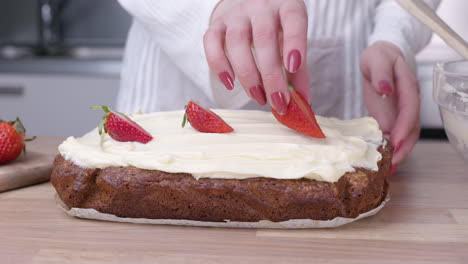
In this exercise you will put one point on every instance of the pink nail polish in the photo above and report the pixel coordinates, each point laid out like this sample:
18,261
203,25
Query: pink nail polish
398,147
385,88
394,167
258,94
278,101
226,79
294,61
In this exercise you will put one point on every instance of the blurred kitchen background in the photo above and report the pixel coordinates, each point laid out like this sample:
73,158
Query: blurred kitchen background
59,57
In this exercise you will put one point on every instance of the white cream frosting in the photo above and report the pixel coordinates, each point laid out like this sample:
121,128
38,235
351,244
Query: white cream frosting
259,147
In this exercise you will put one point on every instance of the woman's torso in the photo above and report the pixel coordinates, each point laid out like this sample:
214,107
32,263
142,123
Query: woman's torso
338,31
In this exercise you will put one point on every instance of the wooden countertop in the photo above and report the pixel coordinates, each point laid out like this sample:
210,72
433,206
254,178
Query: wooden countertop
425,221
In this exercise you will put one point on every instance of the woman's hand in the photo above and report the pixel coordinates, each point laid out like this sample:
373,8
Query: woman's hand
278,31
391,94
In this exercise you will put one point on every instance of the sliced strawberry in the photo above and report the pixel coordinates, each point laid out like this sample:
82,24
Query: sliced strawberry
204,120
121,128
299,116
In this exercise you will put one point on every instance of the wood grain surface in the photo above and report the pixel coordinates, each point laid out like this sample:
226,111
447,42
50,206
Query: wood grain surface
426,221
32,168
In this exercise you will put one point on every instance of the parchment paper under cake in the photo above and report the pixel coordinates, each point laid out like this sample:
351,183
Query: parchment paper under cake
290,224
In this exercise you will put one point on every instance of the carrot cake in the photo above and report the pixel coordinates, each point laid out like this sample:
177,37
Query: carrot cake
260,171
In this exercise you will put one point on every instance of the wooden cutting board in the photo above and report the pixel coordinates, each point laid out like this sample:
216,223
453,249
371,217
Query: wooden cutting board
32,168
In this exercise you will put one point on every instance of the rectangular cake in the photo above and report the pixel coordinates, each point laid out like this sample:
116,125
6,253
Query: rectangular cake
261,171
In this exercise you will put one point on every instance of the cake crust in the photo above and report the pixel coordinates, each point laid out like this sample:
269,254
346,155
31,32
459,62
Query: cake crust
138,193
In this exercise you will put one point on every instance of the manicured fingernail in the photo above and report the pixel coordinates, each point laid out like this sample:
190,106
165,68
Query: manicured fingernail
258,94
226,79
398,146
394,167
294,60
278,101
385,88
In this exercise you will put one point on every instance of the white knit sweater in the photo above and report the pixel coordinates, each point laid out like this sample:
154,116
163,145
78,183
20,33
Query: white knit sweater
165,66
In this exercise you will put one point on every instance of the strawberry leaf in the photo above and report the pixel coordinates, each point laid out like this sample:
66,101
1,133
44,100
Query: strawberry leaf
184,120
103,107
102,125
18,126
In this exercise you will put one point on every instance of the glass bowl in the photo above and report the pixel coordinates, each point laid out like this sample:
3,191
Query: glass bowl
451,94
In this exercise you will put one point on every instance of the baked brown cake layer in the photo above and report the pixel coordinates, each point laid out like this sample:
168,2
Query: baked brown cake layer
139,193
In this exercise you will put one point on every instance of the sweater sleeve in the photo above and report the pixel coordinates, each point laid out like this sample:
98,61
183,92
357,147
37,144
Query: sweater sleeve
396,25
178,28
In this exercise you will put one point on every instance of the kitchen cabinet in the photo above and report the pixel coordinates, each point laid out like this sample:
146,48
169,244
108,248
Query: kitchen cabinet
51,104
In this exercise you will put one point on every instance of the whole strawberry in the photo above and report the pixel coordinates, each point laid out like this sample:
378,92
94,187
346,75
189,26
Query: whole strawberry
204,120
11,140
121,128
299,116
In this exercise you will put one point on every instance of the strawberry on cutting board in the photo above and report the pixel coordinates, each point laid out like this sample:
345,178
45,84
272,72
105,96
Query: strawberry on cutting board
299,116
204,120
121,128
11,140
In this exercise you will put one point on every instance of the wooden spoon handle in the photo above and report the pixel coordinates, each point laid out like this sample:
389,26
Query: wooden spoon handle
427,16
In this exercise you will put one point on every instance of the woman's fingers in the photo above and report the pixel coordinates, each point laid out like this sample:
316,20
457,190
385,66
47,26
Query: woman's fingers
293,18
265,30
408,105
238,40
381,75
406,147
374,106
213,41
235,24
300,81
398,113
382,108
379,72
